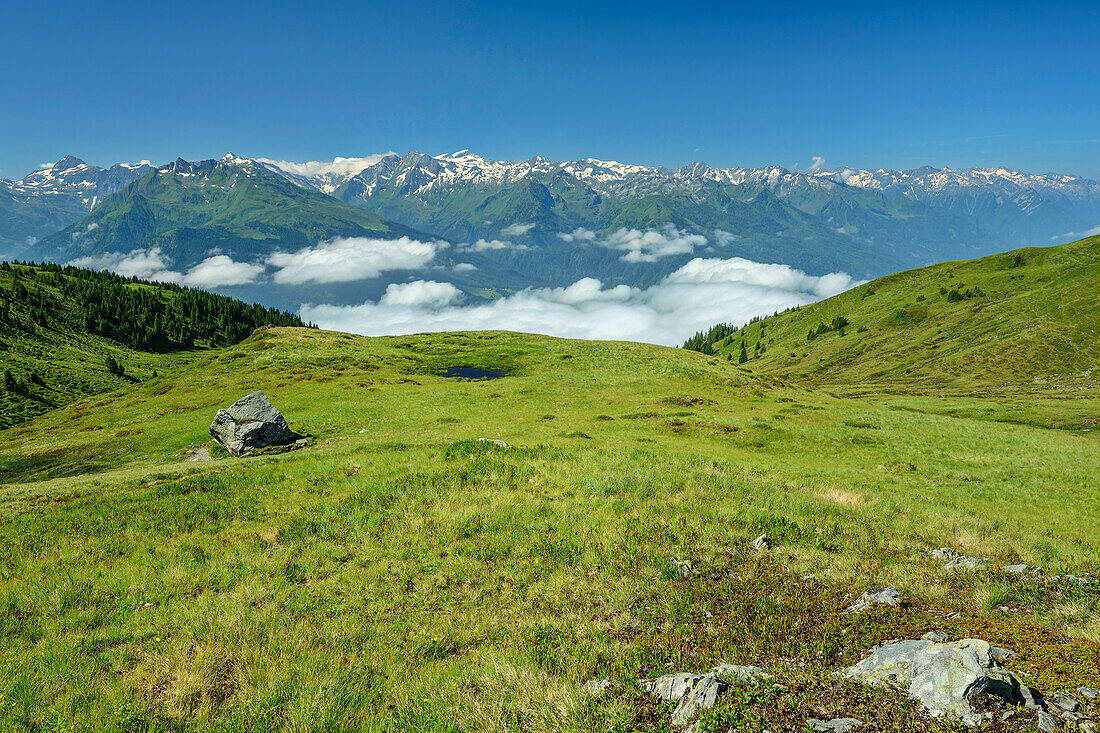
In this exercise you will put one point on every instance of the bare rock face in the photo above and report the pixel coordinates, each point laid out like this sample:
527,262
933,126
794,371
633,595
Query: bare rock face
251,423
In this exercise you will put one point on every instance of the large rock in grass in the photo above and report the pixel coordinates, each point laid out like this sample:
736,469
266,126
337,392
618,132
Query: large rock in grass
251,423
943,676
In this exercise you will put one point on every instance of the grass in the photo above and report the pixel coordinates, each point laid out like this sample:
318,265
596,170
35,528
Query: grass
399,575
1008,327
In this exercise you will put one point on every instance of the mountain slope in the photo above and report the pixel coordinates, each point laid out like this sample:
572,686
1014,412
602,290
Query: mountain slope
1001,319
59,327
50,199
233,206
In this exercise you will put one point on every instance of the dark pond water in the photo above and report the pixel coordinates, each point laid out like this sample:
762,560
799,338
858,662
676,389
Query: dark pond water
471,373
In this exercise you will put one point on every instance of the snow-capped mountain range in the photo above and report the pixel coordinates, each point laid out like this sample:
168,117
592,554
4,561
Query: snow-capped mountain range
420,174
543,219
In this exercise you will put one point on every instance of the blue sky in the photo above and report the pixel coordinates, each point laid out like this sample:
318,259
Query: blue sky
860,84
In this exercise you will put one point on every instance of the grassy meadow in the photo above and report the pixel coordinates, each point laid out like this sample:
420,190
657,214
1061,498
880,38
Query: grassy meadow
399,575
1014,326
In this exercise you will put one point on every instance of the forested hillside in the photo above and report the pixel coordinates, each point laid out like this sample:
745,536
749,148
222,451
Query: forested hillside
66,332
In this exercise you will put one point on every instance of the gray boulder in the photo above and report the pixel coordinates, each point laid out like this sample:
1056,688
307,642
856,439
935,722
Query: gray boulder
944,554
495,441
251,423
698,692
597,687
1023,569
943,676
875,597
763,542
966,562
836,725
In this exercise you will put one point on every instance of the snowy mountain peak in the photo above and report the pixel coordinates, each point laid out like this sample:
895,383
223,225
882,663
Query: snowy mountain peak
67,163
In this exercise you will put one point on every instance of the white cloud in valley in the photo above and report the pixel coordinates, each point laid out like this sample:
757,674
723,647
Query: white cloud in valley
580,234
651,246
150,264
515,230
338,166
698,295
347,259
489,245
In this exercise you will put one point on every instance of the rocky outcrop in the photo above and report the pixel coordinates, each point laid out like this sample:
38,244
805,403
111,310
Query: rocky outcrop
698,692
942,677
251,423
875,597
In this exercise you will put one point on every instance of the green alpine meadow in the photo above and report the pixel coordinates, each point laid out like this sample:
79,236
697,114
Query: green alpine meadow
467,554
550,367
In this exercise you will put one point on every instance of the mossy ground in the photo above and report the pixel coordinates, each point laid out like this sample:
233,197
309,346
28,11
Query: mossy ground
398,575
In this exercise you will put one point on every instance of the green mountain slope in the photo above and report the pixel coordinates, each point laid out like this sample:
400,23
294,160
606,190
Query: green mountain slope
397,575
60,326
233,206
1007,318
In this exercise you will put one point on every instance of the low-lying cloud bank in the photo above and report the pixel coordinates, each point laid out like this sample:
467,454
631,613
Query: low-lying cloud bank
698,295
213,272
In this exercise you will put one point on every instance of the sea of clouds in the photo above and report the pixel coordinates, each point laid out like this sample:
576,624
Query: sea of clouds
701,293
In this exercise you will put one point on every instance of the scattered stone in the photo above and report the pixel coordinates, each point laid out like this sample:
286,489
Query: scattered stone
1065,702
250,423
942,676
597,687
1089,692
684,568
494,441
966,562
836,725
697,692
944,554
953,615
874,597
763,542
938,636
1047,722
1023,569
200,456
301,441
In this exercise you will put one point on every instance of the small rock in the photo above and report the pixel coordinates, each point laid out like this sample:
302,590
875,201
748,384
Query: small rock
1023,569
1047,722
201,455
965,562
301,441
683,567
1001,654
597,687
1089,692
362,431
953,615
873,597
763,542
944,554
494,441
1065,702
836,725
937,636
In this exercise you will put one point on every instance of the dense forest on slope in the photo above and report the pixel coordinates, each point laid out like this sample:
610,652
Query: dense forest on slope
1027,314
66,332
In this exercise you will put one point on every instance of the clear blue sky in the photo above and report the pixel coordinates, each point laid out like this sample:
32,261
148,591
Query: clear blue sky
862,84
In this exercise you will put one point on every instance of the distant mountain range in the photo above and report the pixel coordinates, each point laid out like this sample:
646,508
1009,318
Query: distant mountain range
512,224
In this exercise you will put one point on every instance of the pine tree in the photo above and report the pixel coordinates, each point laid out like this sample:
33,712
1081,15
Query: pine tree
744,354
